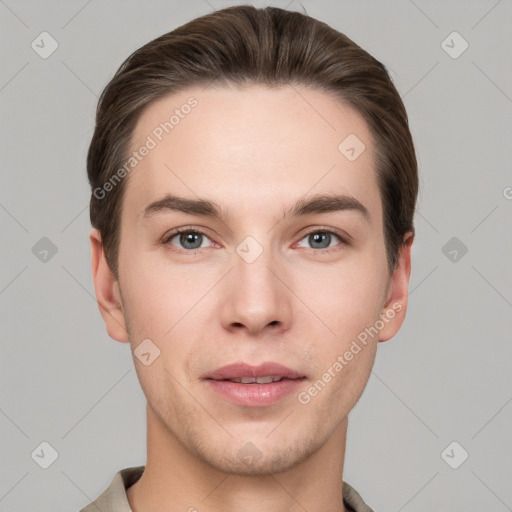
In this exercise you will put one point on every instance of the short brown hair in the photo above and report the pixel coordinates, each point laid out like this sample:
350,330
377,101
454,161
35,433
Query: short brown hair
241,46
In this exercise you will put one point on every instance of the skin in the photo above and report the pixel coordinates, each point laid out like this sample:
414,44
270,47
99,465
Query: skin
254,152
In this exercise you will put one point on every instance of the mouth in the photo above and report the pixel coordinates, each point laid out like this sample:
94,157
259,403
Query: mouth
254,386
256,380
244,373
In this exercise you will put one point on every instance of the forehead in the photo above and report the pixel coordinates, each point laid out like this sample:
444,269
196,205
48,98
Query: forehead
265,145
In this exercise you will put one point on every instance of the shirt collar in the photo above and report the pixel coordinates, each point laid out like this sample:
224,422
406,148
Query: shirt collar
114,498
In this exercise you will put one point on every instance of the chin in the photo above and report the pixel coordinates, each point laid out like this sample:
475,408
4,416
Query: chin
249,460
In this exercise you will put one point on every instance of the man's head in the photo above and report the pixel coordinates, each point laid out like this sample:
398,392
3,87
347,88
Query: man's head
286,151
243,45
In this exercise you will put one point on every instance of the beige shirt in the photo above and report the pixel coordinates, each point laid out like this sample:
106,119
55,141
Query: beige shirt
114,499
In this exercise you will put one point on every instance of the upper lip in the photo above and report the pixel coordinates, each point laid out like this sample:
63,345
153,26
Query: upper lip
240,370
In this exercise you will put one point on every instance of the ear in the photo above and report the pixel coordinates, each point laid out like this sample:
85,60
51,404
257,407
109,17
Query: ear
395,306
108,295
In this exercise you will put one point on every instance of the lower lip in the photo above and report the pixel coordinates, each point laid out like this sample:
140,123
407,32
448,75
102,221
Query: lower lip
255,395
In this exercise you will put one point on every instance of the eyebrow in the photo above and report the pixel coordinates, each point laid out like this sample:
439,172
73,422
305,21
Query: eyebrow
319,203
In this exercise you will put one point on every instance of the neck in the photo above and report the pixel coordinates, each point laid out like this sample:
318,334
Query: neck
175,479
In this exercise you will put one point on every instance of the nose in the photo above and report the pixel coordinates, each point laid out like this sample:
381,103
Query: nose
256,297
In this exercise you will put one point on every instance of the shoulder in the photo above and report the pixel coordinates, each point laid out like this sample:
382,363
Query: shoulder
353,500
113,498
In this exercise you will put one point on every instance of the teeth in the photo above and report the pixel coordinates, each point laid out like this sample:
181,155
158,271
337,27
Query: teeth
256,380
267,380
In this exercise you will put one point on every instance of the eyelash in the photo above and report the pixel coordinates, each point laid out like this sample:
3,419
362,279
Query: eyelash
189,229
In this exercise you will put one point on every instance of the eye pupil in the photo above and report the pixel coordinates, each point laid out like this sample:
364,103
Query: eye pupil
319,237
190,238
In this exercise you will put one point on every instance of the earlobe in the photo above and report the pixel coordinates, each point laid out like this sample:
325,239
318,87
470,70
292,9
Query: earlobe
395,308
107,290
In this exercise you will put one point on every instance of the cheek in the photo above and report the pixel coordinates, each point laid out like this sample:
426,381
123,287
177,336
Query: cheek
345,356
346,302
159,292
346,298
164,303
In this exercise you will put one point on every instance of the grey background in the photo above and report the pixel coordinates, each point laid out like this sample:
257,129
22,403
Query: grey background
445,377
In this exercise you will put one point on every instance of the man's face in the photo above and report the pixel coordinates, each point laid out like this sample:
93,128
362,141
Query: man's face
254,285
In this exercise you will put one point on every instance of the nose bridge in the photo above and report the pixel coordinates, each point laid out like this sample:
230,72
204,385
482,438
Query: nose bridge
254,263
257,297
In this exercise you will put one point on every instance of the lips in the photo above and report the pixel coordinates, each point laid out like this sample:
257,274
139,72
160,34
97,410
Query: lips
254,386
247,374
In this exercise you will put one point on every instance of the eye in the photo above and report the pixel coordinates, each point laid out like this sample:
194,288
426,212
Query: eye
322,238
187,239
